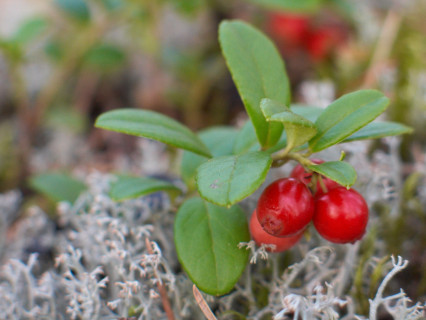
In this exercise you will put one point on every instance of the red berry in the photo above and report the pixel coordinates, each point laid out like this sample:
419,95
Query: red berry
289,28
323,41
341,215
262,237
285,207
305,176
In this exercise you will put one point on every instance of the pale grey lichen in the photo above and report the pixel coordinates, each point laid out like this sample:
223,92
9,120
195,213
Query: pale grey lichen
94,263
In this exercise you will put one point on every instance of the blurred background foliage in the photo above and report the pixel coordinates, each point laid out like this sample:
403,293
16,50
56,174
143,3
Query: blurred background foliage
64,62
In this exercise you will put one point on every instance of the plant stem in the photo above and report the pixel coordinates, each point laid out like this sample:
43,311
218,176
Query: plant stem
203,304
161,289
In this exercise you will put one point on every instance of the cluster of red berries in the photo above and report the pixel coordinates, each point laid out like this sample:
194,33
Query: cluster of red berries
298,32
288,205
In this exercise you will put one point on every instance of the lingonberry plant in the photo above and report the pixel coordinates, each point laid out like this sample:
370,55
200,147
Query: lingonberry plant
225,165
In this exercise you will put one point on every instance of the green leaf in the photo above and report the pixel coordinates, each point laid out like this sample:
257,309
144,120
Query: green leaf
375,130
29,30
309,112
152,125
298,129
281,144
189,6
112,5
207,238
246,139
220,142
229,179
105,56
66,118
54,50
77,9
57,186
341,172
290,5
258,72
132,187
347,115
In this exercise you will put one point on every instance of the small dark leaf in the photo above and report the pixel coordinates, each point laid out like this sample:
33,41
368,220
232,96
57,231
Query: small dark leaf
77,9
132,187
29,30
105,56
57,186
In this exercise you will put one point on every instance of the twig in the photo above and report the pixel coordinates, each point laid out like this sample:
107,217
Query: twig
161,289
203,304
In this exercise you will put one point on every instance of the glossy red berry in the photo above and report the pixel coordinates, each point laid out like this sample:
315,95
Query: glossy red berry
341,215
292,29
262,237
305,176
285,207
322,41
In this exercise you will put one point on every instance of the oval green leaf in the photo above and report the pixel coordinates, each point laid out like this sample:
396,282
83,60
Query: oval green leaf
298,129
29,30
104,57
347,115
376,130
220,142
309,112
229,179
207,238
281,144
57,186
341,172
258,72
152,125
127,187
77,9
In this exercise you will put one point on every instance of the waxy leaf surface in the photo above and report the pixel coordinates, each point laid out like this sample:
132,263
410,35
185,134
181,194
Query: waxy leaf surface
229,179
298,129
347,115
258,72
220,142
152,125
375,130
309,112
246,139
341,172
207,238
